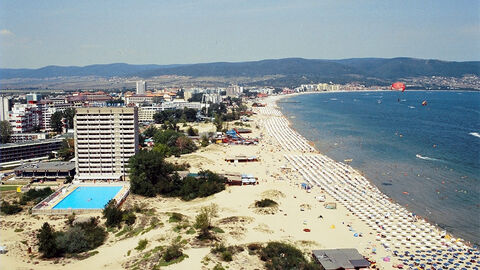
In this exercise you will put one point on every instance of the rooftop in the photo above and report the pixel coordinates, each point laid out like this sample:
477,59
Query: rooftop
347,258
29,143
47,166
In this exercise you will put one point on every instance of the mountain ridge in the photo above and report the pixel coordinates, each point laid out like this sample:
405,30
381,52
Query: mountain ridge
344,70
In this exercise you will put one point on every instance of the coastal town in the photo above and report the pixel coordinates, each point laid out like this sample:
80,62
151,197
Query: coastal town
194,178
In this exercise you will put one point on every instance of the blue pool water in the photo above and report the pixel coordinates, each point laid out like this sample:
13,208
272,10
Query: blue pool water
88,198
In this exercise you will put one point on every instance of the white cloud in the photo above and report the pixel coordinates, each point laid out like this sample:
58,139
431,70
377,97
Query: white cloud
6,32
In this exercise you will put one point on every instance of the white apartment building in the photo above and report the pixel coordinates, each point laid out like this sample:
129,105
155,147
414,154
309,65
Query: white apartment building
141,87
145,114
105,138
24,117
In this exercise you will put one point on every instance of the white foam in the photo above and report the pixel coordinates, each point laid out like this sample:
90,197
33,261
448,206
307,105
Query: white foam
476,134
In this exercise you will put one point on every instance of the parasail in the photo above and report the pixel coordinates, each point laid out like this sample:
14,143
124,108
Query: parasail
398,86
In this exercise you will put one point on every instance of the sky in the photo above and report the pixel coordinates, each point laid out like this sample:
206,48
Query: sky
34,34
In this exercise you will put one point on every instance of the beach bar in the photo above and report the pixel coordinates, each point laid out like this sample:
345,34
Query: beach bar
333,259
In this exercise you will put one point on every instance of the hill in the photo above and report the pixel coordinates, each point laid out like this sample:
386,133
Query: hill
292,70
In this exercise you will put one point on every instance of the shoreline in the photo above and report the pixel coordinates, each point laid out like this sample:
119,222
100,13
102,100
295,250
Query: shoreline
288,96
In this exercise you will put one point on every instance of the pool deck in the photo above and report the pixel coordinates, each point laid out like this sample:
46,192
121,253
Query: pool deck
46,206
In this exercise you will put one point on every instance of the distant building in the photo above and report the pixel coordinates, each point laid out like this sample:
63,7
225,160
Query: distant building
141,87
4,107
12,154
105,138
33,98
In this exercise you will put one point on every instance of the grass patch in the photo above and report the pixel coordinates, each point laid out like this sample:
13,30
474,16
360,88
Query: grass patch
8,188
174,261
175,217
142,244
217,230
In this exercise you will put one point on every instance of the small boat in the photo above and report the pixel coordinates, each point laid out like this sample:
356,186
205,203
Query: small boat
348,160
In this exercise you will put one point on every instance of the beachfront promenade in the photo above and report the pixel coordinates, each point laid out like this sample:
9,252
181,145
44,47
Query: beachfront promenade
410,241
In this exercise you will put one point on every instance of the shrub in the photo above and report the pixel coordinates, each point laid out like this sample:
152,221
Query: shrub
113,215
192,132
266,203
218,267
284,256
205,141
175,217
129,217
142,244
227,256
36,195
203,221
172,252
81,237
10,209
46,242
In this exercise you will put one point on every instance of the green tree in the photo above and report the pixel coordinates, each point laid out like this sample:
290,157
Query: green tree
150,131
67,151
46,241
5,131
151,174
69,114
56,122
218,122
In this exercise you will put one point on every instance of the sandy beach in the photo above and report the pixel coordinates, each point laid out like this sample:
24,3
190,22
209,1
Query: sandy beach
364,218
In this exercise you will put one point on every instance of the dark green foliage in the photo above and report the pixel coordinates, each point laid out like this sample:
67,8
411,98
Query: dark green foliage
279,256
113,214
151,174
56,122
79,238
170,142
192,132
69,114
172,252
129,217
67,151
203,221
205,141
6,131
204,185
150,131
10,209
175,217
266,203
36,195
142,244
46,242
175,116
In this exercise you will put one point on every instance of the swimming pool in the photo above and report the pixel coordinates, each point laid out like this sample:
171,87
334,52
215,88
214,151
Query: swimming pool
89,197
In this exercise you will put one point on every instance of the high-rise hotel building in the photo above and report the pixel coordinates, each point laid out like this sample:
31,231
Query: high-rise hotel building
105,138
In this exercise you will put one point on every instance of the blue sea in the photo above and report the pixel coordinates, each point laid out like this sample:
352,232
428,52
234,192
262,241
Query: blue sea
424,157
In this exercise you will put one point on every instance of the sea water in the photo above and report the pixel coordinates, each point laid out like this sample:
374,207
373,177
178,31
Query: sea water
424,157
